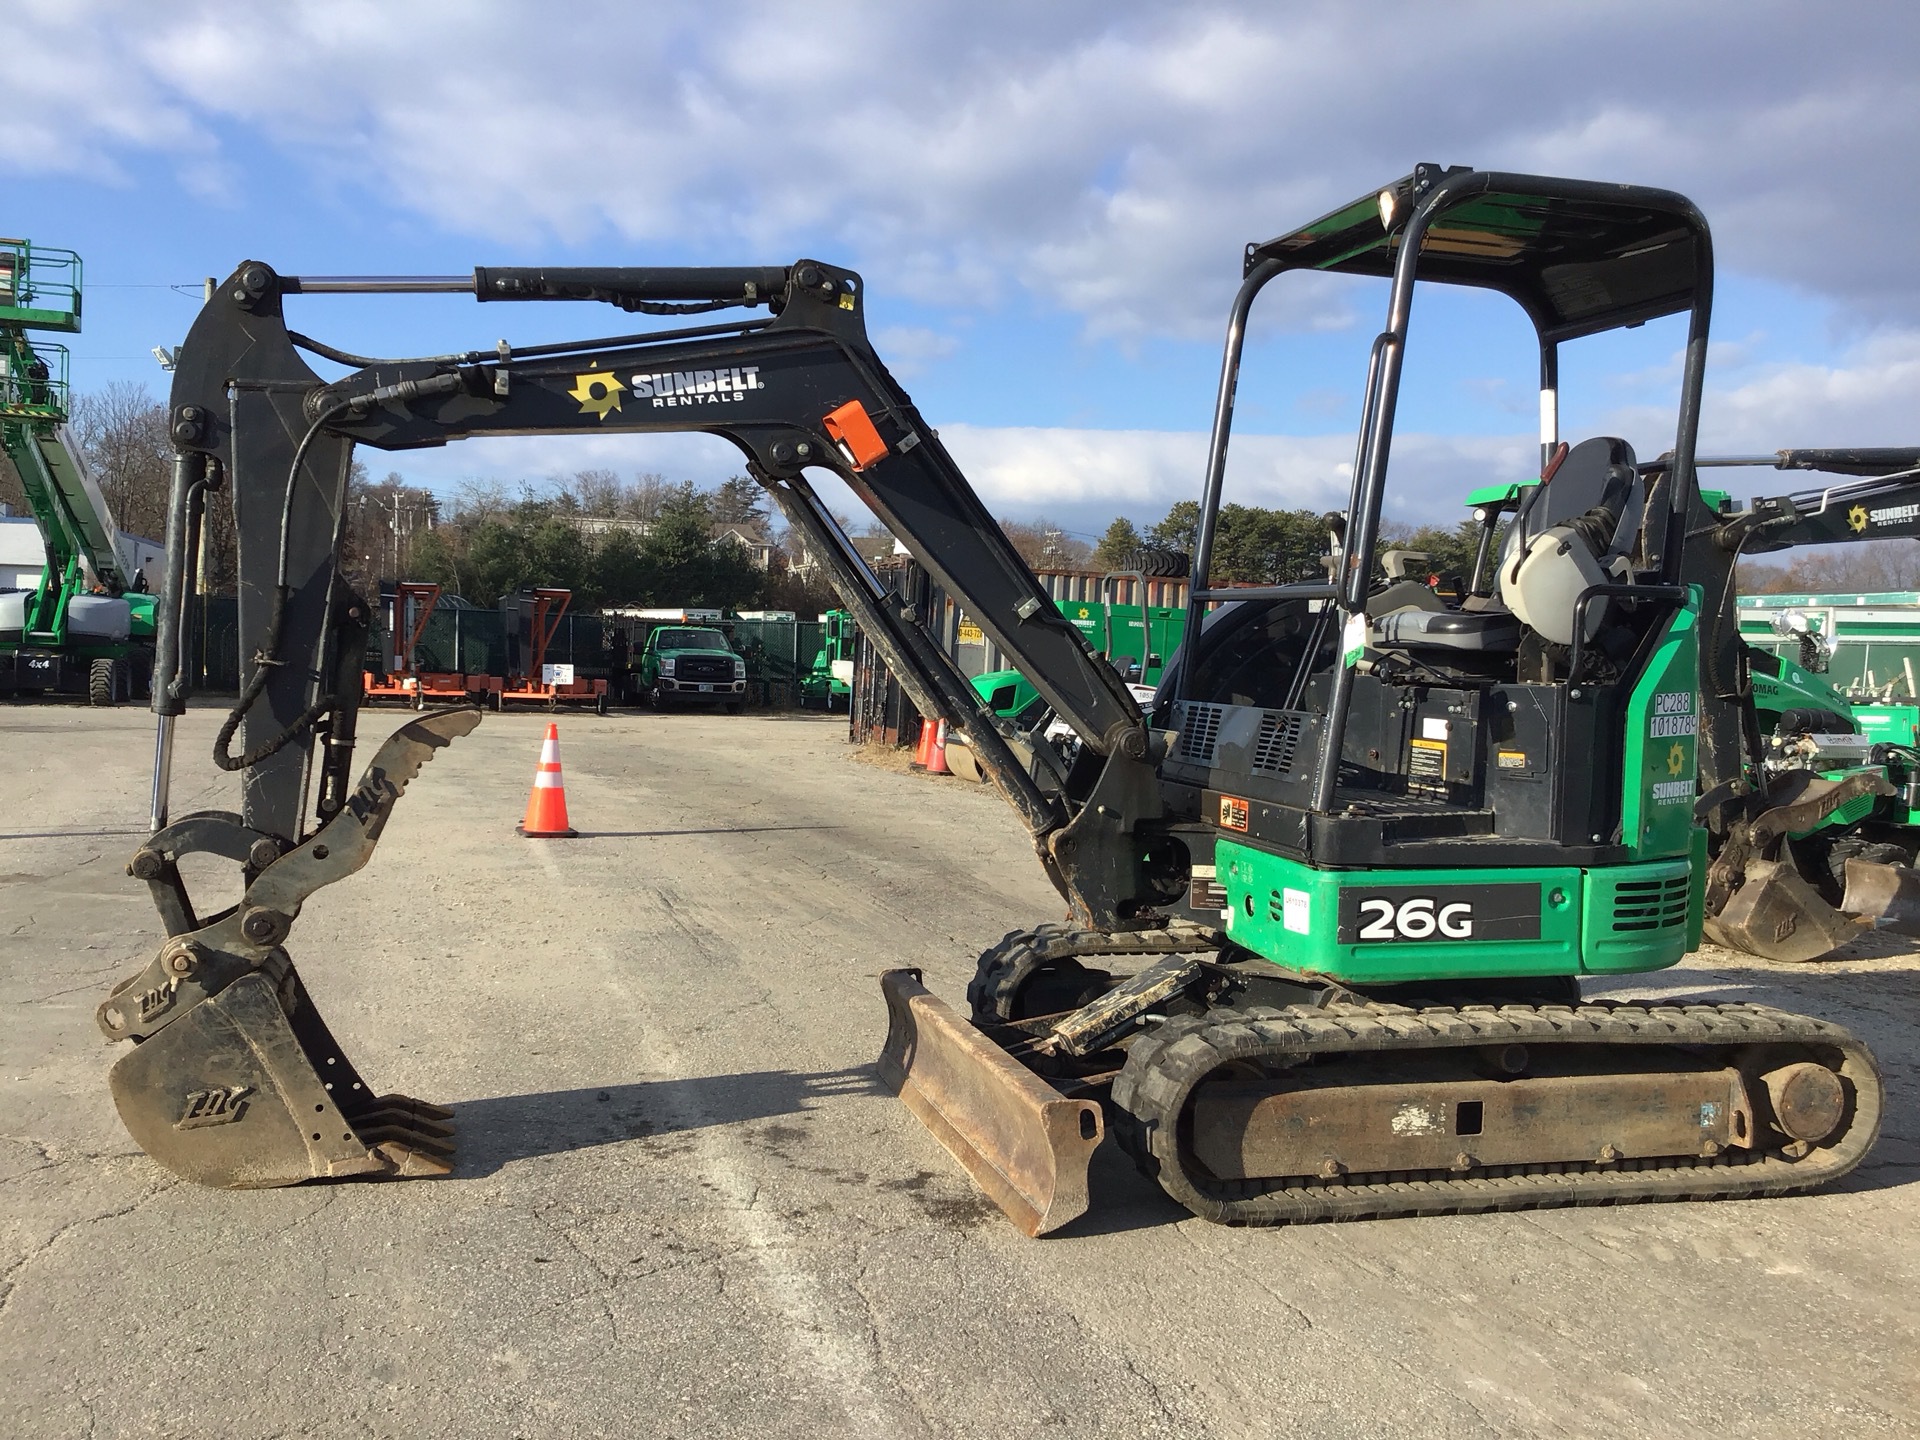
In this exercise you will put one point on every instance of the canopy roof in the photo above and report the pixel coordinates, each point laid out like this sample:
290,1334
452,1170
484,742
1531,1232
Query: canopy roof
1579,256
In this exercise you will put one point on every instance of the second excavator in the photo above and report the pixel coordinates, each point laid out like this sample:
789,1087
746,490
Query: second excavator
1333,900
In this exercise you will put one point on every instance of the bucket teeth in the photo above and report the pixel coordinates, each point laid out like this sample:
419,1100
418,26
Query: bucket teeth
409,1135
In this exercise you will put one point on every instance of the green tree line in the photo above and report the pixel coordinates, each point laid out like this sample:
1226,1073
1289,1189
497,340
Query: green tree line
1255,545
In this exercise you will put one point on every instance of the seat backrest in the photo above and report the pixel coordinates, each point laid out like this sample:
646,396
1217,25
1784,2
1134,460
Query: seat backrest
1599,471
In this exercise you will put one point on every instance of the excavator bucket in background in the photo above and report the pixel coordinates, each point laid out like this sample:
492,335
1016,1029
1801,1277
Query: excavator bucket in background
1763,905
1778,916
1025,1144
1886,895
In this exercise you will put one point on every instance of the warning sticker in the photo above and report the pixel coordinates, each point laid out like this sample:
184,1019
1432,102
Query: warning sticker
1233,813
1513,759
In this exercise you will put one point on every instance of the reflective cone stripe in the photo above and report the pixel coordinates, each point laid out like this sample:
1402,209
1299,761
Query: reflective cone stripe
547,804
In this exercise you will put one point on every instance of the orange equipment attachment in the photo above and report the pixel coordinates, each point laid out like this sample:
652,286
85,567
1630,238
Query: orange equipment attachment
533,688
408,685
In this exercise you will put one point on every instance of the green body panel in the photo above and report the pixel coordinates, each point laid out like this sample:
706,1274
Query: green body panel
1794,688
1642,915
1627,918
1010,695
1114,631
1662,726
1889,724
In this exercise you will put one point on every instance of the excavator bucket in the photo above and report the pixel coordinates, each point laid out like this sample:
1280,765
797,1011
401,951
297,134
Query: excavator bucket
234,1080
232,1095
1024,1143
1777,915
1887,895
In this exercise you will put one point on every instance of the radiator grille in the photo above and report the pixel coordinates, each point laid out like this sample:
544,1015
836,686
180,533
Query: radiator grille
1279,741
1199,729
1640,905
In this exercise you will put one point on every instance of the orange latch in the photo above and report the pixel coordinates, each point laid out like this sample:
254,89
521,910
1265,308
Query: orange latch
852,430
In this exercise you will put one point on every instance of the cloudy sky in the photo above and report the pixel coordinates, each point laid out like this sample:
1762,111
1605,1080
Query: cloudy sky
1048,203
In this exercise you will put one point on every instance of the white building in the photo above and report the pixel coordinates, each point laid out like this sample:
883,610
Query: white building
23,556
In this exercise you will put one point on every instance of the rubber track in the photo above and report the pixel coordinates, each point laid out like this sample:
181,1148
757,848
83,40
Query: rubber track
1006,966
1164,1066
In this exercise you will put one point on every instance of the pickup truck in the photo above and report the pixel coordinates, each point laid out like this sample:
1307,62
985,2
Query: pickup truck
692,664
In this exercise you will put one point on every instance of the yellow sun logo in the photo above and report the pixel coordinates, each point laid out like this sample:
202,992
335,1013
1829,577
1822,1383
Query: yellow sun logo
1857,519
597,393
1676,758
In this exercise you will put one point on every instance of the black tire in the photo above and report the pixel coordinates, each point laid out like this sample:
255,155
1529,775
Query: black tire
106,682
1156,562
496,701
734,707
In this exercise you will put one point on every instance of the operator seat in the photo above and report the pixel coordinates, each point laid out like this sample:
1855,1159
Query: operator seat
1595,473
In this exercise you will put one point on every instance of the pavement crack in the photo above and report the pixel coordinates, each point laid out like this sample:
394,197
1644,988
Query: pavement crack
9,1278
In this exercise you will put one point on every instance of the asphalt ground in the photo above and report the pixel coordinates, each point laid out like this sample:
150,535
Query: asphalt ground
683,1206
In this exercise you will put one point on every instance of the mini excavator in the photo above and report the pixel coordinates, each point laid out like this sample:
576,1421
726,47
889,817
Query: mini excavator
1332,900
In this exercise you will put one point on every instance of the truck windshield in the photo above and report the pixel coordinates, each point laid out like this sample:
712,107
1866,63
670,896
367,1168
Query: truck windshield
690,640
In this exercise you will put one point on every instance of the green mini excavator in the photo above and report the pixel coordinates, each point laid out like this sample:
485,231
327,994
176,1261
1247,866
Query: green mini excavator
1334,895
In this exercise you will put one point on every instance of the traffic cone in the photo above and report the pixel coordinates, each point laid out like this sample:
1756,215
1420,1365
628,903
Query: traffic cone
937,752
923,749
547,805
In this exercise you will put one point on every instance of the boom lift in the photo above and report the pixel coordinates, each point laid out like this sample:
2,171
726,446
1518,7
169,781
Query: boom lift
87,629
1360,855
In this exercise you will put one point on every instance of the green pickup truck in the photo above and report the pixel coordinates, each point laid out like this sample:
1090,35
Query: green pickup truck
693,664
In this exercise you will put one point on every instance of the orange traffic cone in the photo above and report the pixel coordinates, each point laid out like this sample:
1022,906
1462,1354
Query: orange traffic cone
923,748
937,752
547,805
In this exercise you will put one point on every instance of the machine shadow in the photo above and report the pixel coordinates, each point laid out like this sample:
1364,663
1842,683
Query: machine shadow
668,834
495,1132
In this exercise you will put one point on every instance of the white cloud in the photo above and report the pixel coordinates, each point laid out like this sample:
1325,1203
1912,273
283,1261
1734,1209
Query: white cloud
909,349
1107,158
1757,406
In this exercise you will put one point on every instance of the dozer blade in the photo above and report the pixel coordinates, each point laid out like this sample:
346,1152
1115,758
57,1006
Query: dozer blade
1026,1145
1887,895
1778,916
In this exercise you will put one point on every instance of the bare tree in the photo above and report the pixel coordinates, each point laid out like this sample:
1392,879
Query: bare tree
122,432
600,493
1044,546
646,496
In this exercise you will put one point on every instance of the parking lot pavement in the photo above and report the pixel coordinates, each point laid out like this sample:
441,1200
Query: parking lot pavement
684,1208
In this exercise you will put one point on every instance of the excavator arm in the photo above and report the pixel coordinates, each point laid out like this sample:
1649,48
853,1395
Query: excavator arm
220,1013
799,390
